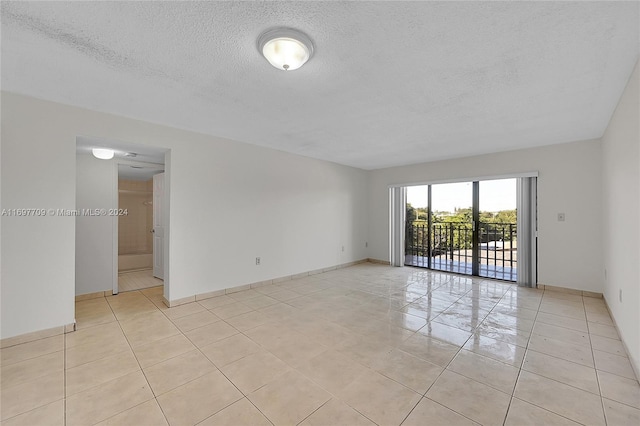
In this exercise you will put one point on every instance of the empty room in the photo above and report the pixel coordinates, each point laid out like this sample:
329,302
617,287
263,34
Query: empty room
320,213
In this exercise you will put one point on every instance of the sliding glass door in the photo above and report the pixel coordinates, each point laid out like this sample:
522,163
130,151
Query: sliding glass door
467,227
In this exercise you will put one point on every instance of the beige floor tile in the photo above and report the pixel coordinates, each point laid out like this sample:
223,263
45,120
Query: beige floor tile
184,310
496,349
620,414
603,330
388,334
295,352
157,351
240,413
211,333
406,321
284,295
503,320
429,412
249,320
231,310
260,302
504,334
325,332
147,328
25,371
273,335
614,364
30,350
35,393
102,334
83,354
254,371
619,389
380,399
564,309
147,413
522,413
613,346
177,371
446,333
242,296
485,370
104,401
336,413
280,311
408,370
289,399
432,350
560,349
130,304
332,370
523,313
561,333
472,399
567,372
566,322
193,321
364,350
199,399
215,302
47,415
465,319
101,371
564,400
231,349
600,318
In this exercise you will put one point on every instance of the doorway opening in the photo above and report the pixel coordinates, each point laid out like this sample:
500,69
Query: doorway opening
464,227
140,225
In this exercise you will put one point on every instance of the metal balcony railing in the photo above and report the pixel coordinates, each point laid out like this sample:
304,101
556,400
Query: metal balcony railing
448,246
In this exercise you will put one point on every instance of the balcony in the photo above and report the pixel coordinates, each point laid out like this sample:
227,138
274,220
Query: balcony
448,246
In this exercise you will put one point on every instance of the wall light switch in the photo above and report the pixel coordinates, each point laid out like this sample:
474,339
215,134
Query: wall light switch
560,217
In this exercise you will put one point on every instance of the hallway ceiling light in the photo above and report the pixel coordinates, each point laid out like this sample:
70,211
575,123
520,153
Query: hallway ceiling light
103,153
285,48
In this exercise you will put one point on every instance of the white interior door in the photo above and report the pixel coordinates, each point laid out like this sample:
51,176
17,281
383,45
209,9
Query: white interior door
158,225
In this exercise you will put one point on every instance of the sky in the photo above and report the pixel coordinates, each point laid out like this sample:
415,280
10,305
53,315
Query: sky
495,195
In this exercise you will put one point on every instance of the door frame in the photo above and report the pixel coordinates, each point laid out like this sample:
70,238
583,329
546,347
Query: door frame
114,226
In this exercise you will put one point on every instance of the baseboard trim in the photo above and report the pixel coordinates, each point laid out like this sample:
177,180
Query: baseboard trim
567,290
278,280
37,335
378,261
96,295
635,365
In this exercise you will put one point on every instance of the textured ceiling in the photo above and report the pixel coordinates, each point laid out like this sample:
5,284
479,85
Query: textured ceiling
390,83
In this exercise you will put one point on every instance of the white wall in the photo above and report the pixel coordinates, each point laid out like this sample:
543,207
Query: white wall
94,234
230,202
570,252
621,189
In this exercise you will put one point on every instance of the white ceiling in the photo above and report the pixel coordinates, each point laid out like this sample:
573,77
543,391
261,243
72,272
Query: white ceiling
390,83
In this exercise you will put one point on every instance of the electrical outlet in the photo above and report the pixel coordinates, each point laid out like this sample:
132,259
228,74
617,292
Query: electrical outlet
257,261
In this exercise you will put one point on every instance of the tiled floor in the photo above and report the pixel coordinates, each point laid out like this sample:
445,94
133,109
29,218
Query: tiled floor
137,280
364,345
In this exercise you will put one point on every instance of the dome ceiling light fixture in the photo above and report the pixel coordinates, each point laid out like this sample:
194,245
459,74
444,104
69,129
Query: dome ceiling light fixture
285,48
103,153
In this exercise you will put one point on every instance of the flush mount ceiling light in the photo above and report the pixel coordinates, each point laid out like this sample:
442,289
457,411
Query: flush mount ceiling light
285,48
103,153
